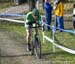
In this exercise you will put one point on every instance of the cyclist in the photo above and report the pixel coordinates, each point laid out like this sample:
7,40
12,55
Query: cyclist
31,17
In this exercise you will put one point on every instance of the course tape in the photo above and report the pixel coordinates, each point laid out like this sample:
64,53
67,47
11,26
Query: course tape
7,19
52,27
59,46
64,30
7,14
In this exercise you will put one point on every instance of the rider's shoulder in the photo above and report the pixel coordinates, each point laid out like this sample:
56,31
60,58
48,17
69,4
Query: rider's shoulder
28,14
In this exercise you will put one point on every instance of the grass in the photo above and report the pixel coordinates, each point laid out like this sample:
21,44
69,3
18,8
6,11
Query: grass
15,27
62,38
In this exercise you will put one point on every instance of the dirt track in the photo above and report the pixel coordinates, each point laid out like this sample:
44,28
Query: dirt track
13,50
15,9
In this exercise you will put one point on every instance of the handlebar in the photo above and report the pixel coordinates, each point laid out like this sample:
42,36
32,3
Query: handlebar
36,25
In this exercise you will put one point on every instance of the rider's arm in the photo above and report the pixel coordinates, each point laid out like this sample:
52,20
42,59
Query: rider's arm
40,20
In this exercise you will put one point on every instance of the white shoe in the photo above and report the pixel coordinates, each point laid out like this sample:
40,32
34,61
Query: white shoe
28,47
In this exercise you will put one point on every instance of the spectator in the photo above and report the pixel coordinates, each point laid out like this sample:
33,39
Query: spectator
74,17
37,4
43,3
59,11
48,13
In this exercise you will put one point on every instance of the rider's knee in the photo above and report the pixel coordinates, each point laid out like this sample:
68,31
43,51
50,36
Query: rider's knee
29,34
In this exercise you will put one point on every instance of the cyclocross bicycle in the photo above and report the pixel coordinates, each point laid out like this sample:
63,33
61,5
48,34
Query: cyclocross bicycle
36,43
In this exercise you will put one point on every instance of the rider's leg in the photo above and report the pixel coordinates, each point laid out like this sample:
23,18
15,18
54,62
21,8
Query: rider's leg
28,36
29,32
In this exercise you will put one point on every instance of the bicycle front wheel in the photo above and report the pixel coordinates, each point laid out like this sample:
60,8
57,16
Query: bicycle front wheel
37,48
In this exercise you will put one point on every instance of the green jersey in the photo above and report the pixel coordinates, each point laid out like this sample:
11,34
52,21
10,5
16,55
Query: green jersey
29,18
